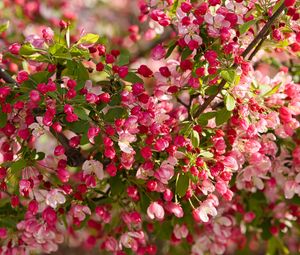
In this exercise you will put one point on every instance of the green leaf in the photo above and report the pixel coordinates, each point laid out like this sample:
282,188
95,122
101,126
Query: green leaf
204,117
272,246
123,59
229,102
3,118
171,49
144,201
133,78
40,77
228,75
174,7
18,165
81,113
245,27
28,50
277,5
115,100
4,26
163,230
114,113
266,226
39,156
76,70
59,51
117,187
186,52
76,52
222,116
272,91
206,154
182,184
211,90
186,128
195,138
88,39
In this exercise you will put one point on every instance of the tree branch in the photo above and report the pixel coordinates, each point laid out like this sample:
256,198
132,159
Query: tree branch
74,156
143,51
6,77
261,35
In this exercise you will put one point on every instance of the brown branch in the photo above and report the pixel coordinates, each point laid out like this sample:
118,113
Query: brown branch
181,102
144,50
6,77
262,34
258,46
74,156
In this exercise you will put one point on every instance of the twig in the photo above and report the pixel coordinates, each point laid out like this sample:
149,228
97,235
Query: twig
181,102
262,34
6,77
74,156
142,52
258,46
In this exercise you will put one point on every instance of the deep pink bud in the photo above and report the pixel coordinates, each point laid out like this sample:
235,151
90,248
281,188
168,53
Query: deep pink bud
145,71
22,76
49,216
104,97
14,48
186,7
59,150
289,3
111,169
14,201
34,96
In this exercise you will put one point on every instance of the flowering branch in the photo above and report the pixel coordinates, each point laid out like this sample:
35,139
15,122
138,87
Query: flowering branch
74,156
261,35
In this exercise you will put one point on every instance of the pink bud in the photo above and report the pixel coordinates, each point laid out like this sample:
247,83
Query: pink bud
14,201
33,207
249,217
59,150
3,233
14,48
186,7
111,169
145,71
49,215
123,71
34,96
22,76
158,52
48,34
168,195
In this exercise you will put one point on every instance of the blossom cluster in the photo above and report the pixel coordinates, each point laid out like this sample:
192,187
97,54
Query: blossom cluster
195,146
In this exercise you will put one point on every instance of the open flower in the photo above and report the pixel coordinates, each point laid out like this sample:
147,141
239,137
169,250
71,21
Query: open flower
155,210
55,197
93,166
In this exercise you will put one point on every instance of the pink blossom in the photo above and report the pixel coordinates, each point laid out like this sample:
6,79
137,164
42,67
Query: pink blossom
48,34
164,173
174,208
180,231
155,210
93,166
80,211
158,52
55,197
206,208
